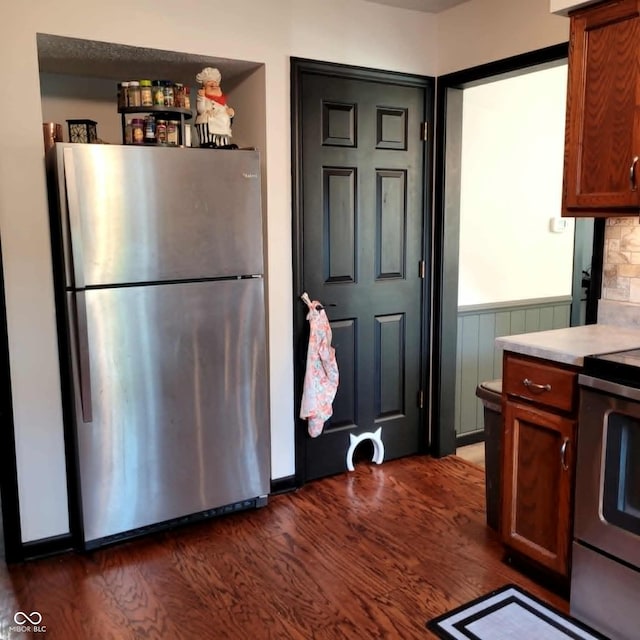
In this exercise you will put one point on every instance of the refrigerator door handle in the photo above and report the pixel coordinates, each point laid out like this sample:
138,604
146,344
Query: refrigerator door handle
75,225
82,345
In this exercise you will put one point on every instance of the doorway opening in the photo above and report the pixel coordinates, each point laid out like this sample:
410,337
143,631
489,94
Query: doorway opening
508,260
516,257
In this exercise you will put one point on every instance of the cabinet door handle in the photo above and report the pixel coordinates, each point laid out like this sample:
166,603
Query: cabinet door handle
632,173
563,454
538,388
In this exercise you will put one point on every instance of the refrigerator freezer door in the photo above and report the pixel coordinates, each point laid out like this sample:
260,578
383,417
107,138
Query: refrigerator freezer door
144,214
178,379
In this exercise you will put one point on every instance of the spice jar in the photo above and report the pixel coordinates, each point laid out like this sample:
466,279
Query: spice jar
146,95
122,98
149,129
134,93
158,93
168,94
178,95
137,130
172,132
128,133
161,131
187,98
124,88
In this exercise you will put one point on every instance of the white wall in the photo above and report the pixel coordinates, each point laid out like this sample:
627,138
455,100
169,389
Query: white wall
511,185
347,31
69,97
481,31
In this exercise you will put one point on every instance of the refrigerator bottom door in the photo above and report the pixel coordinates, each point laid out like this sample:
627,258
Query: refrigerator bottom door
179,399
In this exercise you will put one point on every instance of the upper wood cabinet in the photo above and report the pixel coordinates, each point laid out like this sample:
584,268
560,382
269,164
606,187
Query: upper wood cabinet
602,144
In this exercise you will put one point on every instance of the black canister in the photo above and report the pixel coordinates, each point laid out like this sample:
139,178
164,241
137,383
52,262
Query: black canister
149,129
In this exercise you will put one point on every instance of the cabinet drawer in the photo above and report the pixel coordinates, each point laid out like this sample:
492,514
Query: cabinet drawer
545,384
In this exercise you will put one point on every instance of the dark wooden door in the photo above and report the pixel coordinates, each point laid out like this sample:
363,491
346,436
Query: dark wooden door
362,245
603,101
538,476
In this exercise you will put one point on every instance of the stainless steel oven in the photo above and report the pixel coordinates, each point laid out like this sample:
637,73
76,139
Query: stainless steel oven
605,575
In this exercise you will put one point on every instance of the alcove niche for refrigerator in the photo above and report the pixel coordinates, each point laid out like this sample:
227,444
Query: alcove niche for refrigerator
78,80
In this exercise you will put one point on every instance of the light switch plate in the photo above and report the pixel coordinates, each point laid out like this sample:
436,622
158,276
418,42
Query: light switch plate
558,225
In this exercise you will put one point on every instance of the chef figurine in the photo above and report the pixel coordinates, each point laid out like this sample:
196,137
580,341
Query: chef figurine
213,120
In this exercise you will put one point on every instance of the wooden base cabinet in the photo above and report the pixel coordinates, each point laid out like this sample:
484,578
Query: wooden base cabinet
537,503
539,461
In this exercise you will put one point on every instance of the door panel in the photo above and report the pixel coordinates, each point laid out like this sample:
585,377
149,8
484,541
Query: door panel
537,498
339,225
362,213
345,403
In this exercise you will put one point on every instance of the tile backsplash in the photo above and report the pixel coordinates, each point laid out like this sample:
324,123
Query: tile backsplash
621,265
620,299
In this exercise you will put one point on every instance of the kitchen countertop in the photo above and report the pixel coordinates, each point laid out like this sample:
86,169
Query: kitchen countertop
570,345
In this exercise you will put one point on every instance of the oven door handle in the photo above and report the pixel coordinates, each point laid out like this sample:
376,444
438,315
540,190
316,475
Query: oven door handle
563,454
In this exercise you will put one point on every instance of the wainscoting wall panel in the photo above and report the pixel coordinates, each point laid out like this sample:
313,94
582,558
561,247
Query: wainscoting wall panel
477,358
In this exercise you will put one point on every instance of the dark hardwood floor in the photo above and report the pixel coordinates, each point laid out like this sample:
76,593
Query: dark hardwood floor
370,554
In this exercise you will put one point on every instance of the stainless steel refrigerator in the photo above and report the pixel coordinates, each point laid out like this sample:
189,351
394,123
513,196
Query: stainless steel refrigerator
158,259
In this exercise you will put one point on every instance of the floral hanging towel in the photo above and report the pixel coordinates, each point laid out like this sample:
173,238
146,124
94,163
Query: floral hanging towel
321,377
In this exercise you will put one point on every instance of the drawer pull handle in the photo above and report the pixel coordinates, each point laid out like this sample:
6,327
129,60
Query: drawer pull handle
563,454
538,388
632,173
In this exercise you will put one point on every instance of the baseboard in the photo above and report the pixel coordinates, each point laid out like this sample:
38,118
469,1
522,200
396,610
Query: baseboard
47,547
470,438
284,485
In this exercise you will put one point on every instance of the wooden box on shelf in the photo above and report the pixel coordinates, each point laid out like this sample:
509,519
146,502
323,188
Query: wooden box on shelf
82,131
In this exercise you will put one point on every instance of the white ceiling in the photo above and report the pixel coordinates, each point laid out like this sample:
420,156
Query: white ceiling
428,6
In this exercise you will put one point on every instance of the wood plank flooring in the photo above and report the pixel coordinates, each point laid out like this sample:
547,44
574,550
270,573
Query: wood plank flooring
370,554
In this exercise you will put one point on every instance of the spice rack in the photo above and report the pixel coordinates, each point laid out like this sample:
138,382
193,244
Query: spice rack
169,113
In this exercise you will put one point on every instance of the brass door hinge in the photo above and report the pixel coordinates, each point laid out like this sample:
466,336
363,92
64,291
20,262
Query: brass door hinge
422,269
420,399
424,131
